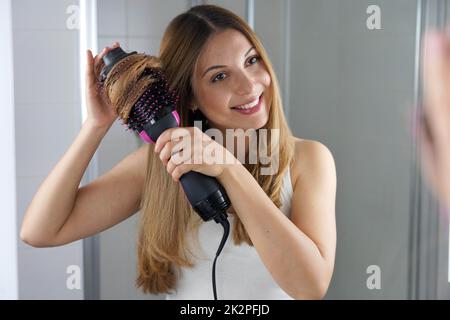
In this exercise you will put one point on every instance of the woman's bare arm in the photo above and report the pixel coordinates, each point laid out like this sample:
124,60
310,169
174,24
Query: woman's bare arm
108,200
61,212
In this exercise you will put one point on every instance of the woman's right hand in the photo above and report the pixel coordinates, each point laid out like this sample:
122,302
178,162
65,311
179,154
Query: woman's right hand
100,113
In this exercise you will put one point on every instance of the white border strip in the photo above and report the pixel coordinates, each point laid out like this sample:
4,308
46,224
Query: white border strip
8,227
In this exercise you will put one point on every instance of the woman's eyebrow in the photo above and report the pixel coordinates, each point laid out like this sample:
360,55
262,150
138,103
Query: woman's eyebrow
222,66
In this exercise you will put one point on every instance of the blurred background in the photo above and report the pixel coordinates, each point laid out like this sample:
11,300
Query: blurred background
349,71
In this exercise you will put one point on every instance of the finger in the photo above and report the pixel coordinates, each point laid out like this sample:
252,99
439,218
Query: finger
108,49
180,144
212,153
102,53
166,152
170,134
171,164
182,156
90,76
98,61
180,170
105,51
170,167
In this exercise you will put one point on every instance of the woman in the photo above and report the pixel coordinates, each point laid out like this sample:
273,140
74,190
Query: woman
283,224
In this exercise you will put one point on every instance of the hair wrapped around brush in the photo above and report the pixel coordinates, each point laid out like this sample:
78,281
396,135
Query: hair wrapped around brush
138,81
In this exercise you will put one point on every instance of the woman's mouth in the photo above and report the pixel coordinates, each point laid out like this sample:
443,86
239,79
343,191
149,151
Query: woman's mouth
251,108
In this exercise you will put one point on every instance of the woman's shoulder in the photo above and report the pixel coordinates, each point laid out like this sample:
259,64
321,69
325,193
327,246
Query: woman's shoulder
309,154
306,145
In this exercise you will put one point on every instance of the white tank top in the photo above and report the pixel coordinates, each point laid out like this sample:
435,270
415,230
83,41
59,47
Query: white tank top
240,272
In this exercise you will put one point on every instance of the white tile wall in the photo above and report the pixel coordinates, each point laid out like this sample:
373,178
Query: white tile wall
110,153
117,135
149,45
46,66
42,14
43,272
149,18
104,41
45,131
111,17
47,119
237,6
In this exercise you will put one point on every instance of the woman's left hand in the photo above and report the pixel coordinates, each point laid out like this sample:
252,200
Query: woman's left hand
184,149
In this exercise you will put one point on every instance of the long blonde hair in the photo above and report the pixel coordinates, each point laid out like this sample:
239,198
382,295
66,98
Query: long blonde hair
166,215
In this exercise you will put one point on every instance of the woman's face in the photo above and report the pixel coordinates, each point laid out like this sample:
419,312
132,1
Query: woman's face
229,73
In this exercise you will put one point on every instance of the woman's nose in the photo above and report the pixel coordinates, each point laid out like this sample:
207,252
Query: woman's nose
245,85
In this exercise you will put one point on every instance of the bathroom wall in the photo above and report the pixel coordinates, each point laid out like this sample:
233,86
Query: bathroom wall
47,120
237,6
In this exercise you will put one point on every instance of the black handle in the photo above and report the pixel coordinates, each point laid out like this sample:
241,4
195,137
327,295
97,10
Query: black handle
206,195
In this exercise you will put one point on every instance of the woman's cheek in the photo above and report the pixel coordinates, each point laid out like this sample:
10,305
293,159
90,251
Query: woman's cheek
266,78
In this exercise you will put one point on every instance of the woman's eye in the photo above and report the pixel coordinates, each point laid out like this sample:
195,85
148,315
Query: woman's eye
218,77
254,58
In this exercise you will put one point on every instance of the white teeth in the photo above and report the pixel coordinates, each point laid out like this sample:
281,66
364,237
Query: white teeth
248,105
